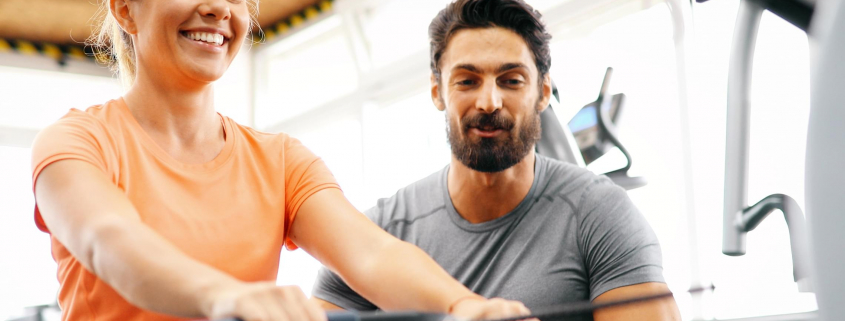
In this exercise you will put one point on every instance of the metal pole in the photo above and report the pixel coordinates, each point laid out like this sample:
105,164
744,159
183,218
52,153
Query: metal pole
736,146
825,165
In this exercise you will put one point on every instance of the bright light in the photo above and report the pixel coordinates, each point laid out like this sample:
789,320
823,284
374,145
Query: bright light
29,273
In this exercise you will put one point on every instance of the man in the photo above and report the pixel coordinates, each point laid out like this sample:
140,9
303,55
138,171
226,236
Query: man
500,219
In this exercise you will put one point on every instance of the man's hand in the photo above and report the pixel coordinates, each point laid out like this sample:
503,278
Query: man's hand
484,309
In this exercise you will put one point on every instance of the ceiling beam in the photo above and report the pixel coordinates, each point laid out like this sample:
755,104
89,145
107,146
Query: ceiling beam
70,22
41,62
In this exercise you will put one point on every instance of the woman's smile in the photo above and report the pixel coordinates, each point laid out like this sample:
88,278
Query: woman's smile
208,39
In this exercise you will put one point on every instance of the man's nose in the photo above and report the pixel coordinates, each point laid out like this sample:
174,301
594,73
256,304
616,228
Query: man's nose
489,99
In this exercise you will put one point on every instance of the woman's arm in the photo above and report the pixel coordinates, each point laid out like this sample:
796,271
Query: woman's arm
392,274
100,227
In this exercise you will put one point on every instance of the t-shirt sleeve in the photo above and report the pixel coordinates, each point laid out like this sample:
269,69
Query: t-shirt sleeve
76,136
305,175
619,246
331,288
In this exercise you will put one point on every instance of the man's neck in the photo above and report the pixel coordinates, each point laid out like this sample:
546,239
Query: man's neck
480,197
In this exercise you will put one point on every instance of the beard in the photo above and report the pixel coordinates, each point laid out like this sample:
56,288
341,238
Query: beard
491,155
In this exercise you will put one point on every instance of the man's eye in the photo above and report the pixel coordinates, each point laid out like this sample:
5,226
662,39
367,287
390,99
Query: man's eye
513,82
466,82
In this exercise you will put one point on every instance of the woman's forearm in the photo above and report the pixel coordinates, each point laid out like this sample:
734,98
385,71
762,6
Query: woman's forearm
390,273
151,273
413,279
98,225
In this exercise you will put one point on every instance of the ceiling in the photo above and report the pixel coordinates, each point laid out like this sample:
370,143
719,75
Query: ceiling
66,22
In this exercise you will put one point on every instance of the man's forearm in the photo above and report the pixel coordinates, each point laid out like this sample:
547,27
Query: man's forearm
414,280
151,273
325,305
659,310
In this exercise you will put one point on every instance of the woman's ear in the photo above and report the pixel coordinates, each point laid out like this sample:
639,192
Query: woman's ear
119,9
435,94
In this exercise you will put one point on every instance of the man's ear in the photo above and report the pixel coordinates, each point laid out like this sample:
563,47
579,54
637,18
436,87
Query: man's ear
119,9
435,94
547,93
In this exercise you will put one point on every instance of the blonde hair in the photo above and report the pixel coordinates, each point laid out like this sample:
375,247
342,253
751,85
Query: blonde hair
114,47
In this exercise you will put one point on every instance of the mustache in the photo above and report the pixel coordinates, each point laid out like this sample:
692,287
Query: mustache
488,122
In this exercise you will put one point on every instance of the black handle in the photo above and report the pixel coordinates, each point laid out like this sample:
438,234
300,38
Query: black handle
374,316
332,316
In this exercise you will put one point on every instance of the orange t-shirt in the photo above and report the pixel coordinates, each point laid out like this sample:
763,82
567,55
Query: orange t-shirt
232,213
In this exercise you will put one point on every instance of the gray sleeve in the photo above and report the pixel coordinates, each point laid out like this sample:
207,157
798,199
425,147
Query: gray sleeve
618,244
331,288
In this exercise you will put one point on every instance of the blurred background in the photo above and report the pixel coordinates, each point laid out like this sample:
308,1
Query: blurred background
350,78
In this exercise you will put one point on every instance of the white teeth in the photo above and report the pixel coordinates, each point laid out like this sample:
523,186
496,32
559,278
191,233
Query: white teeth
206,37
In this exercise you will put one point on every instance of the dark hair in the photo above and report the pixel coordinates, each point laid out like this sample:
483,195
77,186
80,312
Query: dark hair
514,15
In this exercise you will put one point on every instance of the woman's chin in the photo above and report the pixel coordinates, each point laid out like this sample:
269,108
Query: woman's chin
206,75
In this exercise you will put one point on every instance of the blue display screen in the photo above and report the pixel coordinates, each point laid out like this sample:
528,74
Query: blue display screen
585,118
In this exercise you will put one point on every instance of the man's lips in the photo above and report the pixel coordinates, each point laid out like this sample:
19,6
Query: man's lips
486,132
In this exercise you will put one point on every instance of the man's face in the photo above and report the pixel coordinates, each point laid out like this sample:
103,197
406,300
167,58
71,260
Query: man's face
492,95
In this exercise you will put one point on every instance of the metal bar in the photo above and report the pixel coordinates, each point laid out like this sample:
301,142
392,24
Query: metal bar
755,214
683,27
824,171
736,145
558,312
796,12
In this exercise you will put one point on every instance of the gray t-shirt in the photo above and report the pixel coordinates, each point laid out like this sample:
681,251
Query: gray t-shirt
575,236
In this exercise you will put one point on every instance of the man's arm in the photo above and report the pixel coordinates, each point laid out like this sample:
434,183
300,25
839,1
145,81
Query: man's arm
326,305
329,287
659,310
622,255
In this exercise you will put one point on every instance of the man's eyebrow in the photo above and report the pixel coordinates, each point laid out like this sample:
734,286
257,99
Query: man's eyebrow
503,68
510,66
467,67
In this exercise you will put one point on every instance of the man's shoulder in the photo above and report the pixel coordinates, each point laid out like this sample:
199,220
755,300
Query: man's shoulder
417,200
574,184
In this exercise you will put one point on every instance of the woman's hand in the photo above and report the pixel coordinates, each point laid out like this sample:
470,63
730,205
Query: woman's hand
485,309
264,301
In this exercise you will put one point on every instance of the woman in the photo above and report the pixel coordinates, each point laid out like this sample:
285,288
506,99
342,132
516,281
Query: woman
160,208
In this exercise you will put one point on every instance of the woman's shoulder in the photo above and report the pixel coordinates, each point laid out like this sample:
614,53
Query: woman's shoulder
272,145
258,137
91,120
79,134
